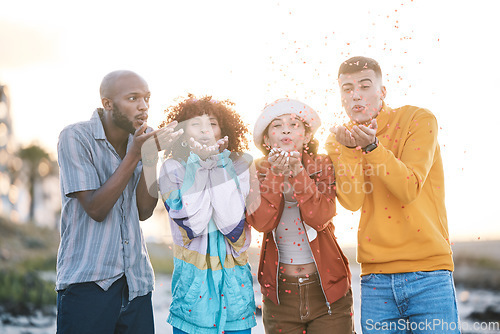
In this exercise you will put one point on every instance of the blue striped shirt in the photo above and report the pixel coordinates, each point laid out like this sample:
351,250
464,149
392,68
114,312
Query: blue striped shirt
92,251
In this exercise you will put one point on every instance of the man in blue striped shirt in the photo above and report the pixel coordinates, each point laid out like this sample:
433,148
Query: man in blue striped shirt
104,275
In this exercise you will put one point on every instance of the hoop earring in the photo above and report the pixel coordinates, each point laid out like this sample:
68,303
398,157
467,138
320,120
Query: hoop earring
184,143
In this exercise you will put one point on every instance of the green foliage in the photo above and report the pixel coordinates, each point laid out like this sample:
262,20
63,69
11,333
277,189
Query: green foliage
33,243
41,263
25,251
33,154
27,247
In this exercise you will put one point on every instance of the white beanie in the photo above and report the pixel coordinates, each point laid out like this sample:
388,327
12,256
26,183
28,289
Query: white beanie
283,107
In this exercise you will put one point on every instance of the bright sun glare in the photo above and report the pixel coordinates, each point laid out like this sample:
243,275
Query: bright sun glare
54,56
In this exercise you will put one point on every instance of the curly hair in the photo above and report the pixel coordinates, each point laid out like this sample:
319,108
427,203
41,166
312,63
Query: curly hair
230,122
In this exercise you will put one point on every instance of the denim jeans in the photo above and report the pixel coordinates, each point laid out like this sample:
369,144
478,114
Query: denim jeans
415,302
86,308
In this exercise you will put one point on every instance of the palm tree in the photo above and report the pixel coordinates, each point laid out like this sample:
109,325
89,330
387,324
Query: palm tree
33,155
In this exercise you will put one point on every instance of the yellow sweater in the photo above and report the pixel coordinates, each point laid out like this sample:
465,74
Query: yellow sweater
399,187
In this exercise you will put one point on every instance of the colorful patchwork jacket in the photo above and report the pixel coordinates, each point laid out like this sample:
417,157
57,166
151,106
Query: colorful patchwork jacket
212,287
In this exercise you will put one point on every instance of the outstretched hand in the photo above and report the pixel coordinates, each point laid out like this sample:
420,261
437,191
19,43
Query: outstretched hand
343,136
279,161
283,162
360,135
157,140
166,137
365,135
204,151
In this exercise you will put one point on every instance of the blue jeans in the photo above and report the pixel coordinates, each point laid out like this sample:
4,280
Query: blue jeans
86,308
416,302
245,331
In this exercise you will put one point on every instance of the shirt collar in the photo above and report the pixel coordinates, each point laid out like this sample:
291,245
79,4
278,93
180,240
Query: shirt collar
98,128
96,124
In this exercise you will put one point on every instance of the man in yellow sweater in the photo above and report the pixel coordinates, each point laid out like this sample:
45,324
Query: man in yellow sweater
388,164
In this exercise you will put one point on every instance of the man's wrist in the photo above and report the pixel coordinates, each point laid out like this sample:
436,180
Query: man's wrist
370,147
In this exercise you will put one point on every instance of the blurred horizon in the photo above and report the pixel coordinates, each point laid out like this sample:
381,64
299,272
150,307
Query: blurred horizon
54,55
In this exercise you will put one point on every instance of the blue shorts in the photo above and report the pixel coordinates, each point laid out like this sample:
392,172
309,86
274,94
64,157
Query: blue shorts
86,308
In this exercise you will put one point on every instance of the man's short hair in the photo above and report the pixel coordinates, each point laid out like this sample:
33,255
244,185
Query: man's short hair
358,64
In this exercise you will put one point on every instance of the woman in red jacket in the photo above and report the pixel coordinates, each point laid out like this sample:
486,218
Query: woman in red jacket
304,276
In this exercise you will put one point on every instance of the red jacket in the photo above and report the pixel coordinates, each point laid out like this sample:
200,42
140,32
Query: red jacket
314,189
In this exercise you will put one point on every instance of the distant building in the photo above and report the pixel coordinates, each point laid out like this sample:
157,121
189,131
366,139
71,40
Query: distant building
14,195
9,193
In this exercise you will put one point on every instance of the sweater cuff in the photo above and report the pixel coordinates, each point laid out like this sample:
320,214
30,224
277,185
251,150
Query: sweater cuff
377,156
351,154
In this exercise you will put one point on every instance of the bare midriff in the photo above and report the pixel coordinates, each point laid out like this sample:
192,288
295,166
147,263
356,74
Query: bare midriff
297,269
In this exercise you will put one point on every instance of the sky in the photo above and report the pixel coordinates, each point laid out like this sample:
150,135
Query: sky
434,54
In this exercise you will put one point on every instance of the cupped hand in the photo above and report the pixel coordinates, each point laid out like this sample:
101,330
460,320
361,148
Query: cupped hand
203,151
343,136
365,135
295,163
279,161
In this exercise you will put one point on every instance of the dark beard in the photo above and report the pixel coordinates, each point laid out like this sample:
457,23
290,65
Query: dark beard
122,121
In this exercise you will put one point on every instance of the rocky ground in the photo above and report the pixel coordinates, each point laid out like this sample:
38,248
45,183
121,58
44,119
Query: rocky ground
477,307
26,247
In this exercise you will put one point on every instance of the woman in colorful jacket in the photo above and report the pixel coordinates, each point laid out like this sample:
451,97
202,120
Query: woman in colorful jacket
304,276
204,186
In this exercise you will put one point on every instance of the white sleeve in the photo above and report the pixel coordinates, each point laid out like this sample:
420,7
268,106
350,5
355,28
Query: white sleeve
184,193
229,187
